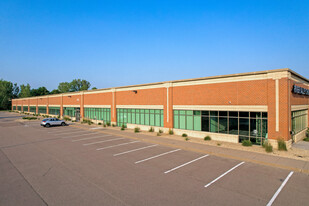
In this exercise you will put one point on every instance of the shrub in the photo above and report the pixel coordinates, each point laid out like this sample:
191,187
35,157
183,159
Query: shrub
158,134
160,131
307,133
113,125
219,144
306,139
104,125
170,131
268,147
108,124
66,118
30,118
207,138
151,129
246,143
99,123
136,129
184,135
187,138
281,145
122,127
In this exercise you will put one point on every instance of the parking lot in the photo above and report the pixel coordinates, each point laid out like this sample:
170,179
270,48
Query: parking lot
74,166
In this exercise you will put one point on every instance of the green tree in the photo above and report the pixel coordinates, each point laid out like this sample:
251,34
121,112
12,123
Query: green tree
39,91
55,91
64,87
24,91
94,88
79,85
7,92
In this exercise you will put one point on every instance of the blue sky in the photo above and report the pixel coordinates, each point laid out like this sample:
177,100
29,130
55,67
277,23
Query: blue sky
117,43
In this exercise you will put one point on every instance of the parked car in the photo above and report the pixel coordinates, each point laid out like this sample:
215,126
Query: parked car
52,122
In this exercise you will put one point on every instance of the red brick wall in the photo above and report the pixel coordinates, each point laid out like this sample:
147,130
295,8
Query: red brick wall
98,99
238,93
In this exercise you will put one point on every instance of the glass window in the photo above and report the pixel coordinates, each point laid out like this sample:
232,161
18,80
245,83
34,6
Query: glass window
223,125
205,123
222,113
147,119
197,123
182,112
213,124
196,112
205,112
189,122
152,119
182,122
243,126
157,120
255,114
243,114
233,114
176,122
189,112
213,113
233,125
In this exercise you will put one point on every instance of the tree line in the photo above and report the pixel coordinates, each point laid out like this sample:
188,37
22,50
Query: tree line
9,91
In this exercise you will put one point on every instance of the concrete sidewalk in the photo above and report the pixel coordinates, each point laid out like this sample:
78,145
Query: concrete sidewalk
168,140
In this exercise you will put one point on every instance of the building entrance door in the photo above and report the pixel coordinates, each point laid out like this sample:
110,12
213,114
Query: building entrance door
77,114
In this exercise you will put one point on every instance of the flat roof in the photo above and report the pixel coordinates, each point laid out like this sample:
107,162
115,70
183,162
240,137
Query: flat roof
182,80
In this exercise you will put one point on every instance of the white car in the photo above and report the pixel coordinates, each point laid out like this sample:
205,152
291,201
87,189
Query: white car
52,122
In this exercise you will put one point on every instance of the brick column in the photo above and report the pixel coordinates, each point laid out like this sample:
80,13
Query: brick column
82,96
168,106
113,107
61,106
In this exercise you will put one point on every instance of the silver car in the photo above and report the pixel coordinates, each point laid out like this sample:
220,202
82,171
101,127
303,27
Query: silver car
52,122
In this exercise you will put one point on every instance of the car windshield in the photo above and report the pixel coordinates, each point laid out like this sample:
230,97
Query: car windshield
44,119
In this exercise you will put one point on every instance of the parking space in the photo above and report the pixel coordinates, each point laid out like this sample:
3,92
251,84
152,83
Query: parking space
129,171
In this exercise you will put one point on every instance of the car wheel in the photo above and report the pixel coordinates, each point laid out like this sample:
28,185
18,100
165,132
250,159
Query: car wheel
62,124
47,125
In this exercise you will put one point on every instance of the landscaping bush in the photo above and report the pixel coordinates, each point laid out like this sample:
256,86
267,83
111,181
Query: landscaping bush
99,123
268,147
122,127
187,138
246,143
307,133
104,125
66,118
158,134
108,124
306,139
160,131
184,135
136,129
151,129
30,118
207,138
170,131
113,125
281,145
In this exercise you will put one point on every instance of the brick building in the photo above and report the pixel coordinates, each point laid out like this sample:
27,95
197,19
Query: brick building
257,105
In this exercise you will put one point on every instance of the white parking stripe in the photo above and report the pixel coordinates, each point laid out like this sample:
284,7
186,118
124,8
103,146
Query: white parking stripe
157,156
70,132
78,135
64,131
185,164
102,141
280,188
230,170
135,150
117,145
77,140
